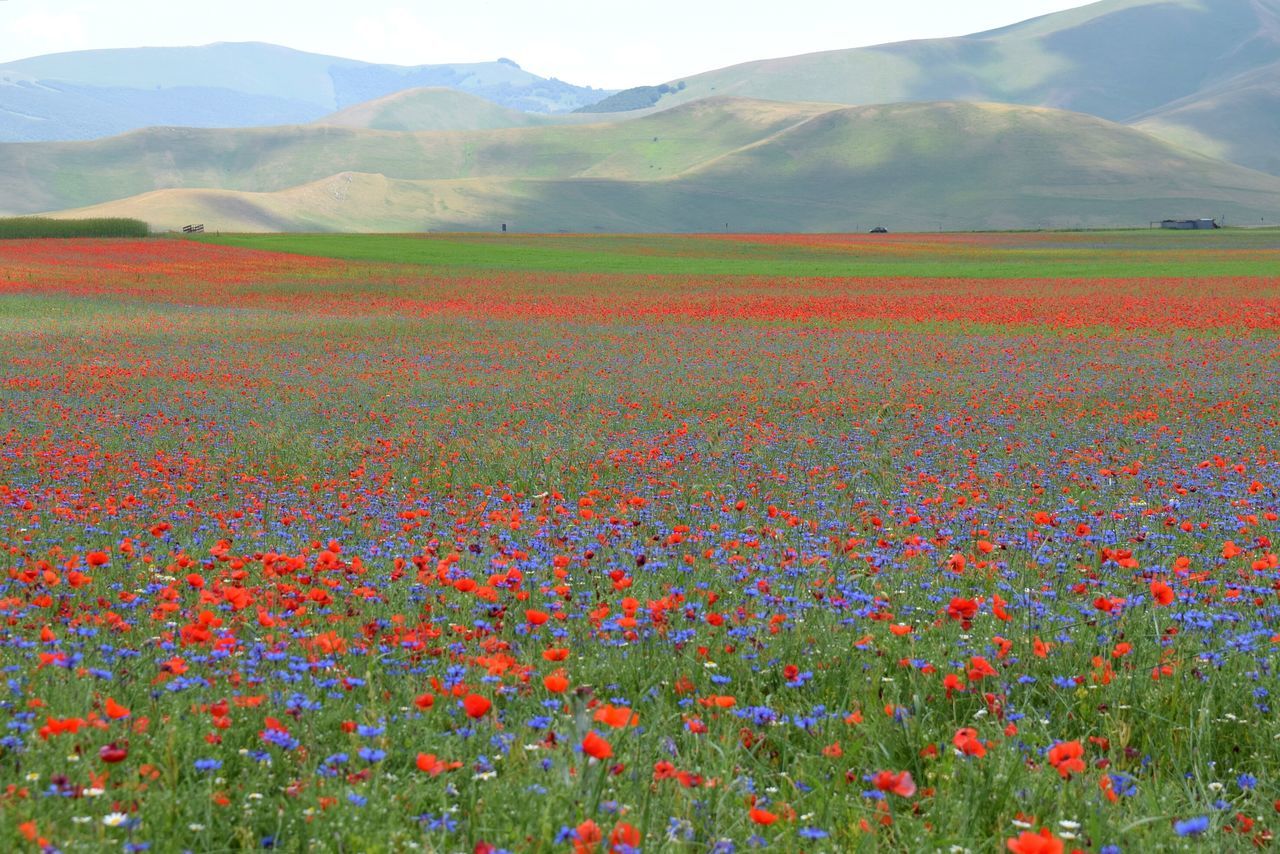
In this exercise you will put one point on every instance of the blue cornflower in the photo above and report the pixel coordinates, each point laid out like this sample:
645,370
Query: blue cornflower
1191,826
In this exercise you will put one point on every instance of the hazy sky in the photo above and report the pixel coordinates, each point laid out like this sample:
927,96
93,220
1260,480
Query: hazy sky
588,42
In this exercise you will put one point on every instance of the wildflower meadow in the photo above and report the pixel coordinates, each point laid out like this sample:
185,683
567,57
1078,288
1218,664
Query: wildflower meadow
615,544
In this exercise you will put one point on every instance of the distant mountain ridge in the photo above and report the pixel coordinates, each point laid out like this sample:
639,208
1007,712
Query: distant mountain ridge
91,94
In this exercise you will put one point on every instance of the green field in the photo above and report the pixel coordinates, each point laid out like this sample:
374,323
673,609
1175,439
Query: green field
1146,253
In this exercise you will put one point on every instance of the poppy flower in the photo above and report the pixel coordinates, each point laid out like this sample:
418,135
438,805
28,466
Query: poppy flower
624,837
966,741
476,706
586,837
113,753
1065,756
617,717
429,764
899,783
114,710
1162,593
596,747
1027,842
763,817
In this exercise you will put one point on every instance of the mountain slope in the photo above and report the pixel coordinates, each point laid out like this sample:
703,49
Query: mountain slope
429,109
1117,59
909,166
79,95
1238,120
1122,60
53,176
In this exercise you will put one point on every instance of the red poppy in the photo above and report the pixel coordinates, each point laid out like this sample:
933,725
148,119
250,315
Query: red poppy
476,706
617,717
596,747
900,783
1162,593
1043,842
966,741
1065,756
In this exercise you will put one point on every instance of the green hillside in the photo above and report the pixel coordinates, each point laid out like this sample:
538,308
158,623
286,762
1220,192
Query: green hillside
435,108
1238,120
745,165
54,176
1122,60
1117,59
429,109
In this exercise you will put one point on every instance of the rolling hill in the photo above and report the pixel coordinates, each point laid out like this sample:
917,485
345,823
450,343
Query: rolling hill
1238,120
434,108
90,94
1122,60
426,109
744,164
52,176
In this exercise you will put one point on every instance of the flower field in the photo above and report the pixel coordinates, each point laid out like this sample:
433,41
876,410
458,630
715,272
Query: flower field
565,543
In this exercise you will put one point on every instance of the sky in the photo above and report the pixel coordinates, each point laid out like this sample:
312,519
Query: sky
587,42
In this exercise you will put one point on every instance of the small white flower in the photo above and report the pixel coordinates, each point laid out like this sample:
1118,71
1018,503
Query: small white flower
114,819
93,792
195,828
1068,824
1025,825
73,758
33,777
81,819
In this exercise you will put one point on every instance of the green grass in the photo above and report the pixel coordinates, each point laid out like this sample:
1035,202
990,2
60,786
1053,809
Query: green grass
1076,255
24,227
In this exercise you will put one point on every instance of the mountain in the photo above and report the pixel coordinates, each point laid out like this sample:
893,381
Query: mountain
89,94
753,165
432,109
1122,60
1238,120
37,177
34,109
429,108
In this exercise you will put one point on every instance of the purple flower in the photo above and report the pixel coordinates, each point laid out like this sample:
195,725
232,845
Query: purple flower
1191,826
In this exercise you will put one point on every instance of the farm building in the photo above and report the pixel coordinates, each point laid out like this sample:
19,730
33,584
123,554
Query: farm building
1190,224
